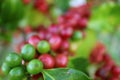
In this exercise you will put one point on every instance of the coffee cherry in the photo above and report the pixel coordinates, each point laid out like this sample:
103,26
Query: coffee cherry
53,29
42,35
77,35
17,73
47,60
115,71
43,47
34,40
66,32
35,66
5,68
55,42
61,60
97,53
28,52
65,45
37,76
13,60
82,23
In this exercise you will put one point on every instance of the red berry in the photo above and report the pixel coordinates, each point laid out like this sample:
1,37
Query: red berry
82,23
55,42
61,60
97,53
42,35
47,60
37,76
66,32
103,72
54,29
65,45
34,40
116,71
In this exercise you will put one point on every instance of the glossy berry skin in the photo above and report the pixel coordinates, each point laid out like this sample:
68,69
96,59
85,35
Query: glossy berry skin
82,23
5,68
34,40
61,60
66,32
13,60
55,42
16,73
35,66
43,46
65,45
47,60
28,52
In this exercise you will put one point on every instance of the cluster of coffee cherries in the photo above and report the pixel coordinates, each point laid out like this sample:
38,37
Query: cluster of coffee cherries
107,69
35,56
49,47
40,5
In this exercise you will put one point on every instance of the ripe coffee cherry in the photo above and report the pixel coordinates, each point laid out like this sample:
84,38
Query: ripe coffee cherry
55,42
47,60
66,32
97,53
35,66
61,60
42,35
13,60
16,73
43,46
103,72
28,52
65,45
116,71
82,23
5,68
54,29
34,40
77,35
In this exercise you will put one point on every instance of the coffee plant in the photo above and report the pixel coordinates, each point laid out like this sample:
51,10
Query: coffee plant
59,40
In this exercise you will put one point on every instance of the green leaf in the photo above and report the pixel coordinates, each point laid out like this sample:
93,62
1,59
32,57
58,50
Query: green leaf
64,74
82,66
62,4
86,45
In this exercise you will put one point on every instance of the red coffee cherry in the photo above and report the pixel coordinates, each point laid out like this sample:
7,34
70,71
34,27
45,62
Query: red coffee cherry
115,71
47,60
34,40
97,53
61,60
65,45
55,42
66,32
